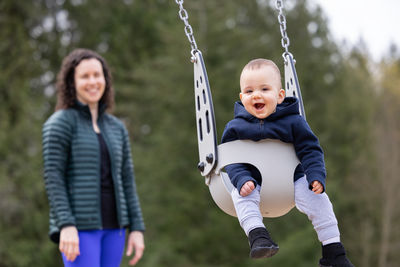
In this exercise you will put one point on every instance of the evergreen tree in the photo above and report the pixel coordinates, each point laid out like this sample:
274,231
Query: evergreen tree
23,205
388,157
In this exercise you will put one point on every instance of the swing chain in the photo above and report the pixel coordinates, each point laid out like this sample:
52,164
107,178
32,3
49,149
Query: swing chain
282,22
188,29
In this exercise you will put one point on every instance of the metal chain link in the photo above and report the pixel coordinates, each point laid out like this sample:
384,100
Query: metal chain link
285,42
282,22
188,29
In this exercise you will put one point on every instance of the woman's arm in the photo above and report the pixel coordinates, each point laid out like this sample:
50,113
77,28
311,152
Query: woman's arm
129,185
56,140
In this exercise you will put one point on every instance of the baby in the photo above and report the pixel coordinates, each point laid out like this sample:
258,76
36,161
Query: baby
265,113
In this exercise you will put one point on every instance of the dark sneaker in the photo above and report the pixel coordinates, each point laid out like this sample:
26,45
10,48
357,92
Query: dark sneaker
261,244
334,255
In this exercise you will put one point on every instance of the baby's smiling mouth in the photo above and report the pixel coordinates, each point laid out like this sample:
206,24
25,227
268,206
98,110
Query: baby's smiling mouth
259,106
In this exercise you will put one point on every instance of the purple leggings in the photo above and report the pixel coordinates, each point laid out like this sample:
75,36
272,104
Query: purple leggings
99,248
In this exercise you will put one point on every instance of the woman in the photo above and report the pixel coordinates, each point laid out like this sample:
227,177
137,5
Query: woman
88,169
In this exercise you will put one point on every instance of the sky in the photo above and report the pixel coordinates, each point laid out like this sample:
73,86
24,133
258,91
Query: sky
376,22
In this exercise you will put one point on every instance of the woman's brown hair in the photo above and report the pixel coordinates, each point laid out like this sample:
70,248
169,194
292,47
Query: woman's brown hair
66,93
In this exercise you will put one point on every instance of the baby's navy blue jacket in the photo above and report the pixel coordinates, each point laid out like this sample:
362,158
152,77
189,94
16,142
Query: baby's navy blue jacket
285,124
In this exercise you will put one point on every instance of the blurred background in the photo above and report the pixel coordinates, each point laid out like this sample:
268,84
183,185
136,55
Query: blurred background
352,102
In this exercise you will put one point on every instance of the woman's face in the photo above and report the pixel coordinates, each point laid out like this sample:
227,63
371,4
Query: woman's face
90,83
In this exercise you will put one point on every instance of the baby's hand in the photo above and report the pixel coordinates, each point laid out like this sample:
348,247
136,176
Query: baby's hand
317,187
247,188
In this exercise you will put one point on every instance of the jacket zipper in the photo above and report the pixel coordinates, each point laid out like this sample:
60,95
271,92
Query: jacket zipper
261,127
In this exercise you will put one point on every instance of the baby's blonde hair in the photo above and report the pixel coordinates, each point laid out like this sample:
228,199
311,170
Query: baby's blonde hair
260,62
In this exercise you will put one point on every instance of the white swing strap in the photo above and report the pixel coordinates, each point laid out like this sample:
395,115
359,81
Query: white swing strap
205,120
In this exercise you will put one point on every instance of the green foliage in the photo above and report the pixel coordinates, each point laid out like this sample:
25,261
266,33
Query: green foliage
149,54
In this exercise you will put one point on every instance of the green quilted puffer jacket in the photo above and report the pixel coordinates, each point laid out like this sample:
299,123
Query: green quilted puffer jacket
71,155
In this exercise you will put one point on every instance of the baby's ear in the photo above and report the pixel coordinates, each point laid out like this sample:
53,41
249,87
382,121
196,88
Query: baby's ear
240,96
281,95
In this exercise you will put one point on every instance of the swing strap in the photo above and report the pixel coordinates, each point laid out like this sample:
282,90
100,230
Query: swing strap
205,120
292,86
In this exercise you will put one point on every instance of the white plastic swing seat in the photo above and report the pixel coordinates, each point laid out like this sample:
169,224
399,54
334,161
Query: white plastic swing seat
276,162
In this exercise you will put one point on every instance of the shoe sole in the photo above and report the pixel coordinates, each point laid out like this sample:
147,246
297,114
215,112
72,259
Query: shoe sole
320,265
263,252
346,264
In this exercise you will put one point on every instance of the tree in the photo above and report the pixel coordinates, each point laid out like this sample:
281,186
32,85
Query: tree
22,79
388,158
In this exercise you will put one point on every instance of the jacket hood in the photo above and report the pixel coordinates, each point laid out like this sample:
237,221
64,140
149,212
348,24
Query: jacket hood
290,106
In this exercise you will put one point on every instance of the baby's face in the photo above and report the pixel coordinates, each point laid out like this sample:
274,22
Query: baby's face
261,91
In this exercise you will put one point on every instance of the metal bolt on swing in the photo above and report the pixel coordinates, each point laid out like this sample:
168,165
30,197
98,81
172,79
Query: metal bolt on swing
201,166
210,158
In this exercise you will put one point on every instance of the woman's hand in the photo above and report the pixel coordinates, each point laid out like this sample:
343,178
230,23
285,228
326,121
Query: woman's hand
135,242
69,242
247,188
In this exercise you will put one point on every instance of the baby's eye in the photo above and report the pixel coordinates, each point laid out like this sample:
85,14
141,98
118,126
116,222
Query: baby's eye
265,89
249,91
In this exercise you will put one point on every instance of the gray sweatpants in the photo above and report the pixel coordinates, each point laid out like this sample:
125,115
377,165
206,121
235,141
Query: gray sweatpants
317,207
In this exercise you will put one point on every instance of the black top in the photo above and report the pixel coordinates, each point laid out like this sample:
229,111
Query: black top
108,205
